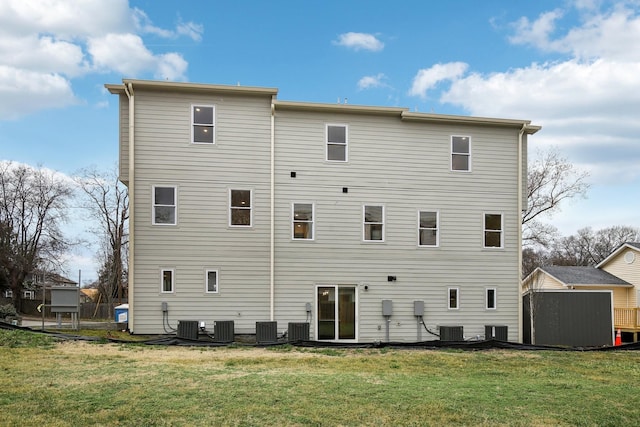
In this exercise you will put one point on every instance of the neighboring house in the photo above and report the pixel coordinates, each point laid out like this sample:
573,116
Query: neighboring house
619,273
247,208
88,295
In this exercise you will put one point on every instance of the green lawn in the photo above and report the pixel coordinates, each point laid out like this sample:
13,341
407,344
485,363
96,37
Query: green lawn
84,384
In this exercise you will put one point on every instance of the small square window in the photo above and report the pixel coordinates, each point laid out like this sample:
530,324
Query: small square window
337,137
164,205
493,235
491,298
453,298
167,279
460,153
240,208
203,124
373,223
302,223
211,278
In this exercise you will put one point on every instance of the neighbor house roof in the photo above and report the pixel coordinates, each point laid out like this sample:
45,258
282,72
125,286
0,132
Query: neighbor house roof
583,276
627,245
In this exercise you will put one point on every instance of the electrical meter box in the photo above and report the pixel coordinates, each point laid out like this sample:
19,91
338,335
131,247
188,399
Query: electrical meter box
387,307
418,308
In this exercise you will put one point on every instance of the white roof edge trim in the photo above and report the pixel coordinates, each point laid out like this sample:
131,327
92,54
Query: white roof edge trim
616,252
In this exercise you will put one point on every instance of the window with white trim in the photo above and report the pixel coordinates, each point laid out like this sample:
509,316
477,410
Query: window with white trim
337,142
493,231
164,205
240,208
302,221
453,298
461,153
373,223
491,298
211,281
8,293
167,280
428,228
203,124
28,295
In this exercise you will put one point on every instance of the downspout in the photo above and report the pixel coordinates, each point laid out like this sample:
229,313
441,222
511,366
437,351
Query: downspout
272,217
520,179
128,89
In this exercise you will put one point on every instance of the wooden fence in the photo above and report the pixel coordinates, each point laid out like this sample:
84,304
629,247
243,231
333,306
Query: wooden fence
88,310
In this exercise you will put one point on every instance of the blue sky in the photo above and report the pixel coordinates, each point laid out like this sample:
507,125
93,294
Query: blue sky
571,66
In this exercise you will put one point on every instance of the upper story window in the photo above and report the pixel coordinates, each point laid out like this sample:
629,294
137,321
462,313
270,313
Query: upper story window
373,223
302,221
202,124
164,205
211,279
461,153
240,208
428,228
337,141
493,231
167,277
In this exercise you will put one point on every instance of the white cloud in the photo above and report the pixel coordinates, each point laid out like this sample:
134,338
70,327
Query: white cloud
428,78
360,41
587,103
127,54
369,82
538,32
43,54
45,44
23,92
190,29
612,34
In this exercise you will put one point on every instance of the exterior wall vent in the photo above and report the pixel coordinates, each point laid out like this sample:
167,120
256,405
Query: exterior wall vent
451,333
223,331
188,329
266,332
298,332
496,332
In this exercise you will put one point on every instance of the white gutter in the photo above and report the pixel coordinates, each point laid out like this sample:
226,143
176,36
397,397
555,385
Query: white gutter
128,89
272,216
520,179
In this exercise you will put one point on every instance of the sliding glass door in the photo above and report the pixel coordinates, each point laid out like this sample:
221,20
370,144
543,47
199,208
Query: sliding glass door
336,308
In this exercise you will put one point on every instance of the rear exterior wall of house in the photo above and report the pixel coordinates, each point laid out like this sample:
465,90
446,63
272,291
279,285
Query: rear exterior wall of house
367,207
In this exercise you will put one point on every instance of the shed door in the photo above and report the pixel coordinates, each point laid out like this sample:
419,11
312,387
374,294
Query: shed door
336,312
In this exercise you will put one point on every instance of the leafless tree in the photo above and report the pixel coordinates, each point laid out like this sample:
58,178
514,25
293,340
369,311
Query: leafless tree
33,204
551,180
588,247
107,201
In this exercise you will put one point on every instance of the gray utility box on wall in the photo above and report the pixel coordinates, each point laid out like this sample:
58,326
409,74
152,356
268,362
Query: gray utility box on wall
298,332
451,333
496,332
223,331
266,332
188,329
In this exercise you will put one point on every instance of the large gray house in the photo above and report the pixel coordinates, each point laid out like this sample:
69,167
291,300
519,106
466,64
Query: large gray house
248,208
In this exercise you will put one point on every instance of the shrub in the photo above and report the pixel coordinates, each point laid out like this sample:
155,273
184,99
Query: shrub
7,310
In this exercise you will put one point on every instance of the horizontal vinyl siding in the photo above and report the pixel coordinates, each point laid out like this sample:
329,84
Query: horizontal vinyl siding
202,238
123,159
406,168
627,272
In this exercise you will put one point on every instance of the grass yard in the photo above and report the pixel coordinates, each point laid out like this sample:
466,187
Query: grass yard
87,384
